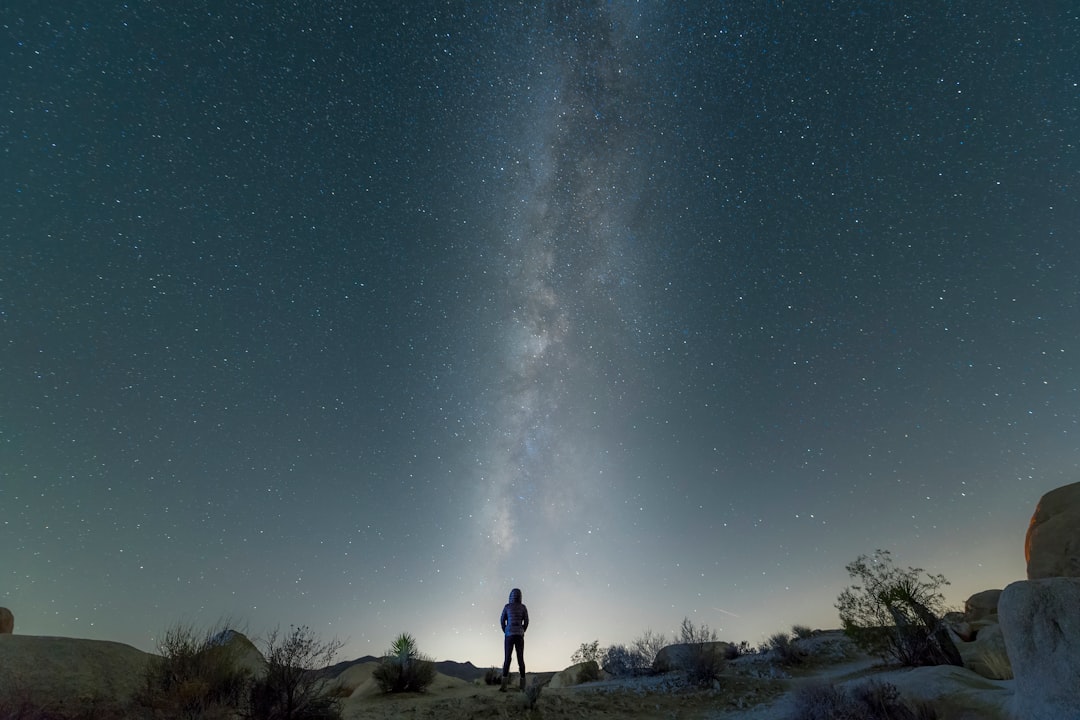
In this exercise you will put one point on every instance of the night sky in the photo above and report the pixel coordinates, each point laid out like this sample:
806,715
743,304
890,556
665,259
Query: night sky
356,315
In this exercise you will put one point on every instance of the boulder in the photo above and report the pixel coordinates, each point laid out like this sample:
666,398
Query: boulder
986,654
572,675
955,693
7,621
243,652
1041,627
682,656
64,677
982,606
1052,546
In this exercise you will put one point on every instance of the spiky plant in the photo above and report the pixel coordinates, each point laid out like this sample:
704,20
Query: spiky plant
404,669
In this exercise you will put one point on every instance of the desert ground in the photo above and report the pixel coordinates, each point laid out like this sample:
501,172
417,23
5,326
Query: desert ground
71,678
752,687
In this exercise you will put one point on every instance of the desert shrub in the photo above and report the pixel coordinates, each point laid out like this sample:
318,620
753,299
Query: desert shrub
691,634
404,669
802,632
738,650
291,688
783,648
869,701
588,652
704,666
896,613
493,676
197,675
621,661
532,695
648,645
704,661
820,702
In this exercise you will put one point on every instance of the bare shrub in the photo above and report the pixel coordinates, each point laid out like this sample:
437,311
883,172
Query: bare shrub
738,650
705,661
291,688
820,702
197,675
869,701
691,634
783,648
802,632
532,695
404,669
648,645
493,676
622,661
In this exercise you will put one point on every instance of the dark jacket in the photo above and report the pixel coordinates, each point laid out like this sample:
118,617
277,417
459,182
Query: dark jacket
515,616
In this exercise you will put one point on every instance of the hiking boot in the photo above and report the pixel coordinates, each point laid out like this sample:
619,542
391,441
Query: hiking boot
502,688
521,683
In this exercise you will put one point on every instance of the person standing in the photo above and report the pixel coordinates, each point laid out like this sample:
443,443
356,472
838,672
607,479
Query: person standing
514,622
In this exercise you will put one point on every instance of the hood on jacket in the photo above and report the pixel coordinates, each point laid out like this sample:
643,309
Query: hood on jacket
515,596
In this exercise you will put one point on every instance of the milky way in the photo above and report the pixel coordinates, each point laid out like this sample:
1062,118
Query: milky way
358,315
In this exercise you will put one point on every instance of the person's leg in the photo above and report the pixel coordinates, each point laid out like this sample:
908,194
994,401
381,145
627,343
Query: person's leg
508,647
519,646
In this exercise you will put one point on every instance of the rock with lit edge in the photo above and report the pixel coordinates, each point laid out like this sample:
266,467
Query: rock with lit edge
1052,547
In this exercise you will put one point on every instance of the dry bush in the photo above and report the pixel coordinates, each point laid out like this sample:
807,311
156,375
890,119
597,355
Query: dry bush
783,648
704,661
623,661
291,688
196,677
870,701
532,695
648,645
895,612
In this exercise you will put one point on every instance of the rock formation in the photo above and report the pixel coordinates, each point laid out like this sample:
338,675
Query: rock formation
7,621
1052,547
982,606
1041,626
64,676
681,656
572,675
977,636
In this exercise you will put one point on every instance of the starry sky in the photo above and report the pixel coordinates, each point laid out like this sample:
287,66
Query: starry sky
356,315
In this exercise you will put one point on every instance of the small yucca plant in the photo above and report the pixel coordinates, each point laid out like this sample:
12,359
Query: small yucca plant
404,669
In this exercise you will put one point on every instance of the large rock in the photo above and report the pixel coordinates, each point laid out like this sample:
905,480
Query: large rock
682,656
1041,625
243,652
986,653
7,621
982,606
64,677
1052,546
573,675
954,692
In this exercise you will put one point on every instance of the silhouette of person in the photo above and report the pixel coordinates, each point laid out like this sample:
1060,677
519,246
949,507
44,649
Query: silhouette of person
514,622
